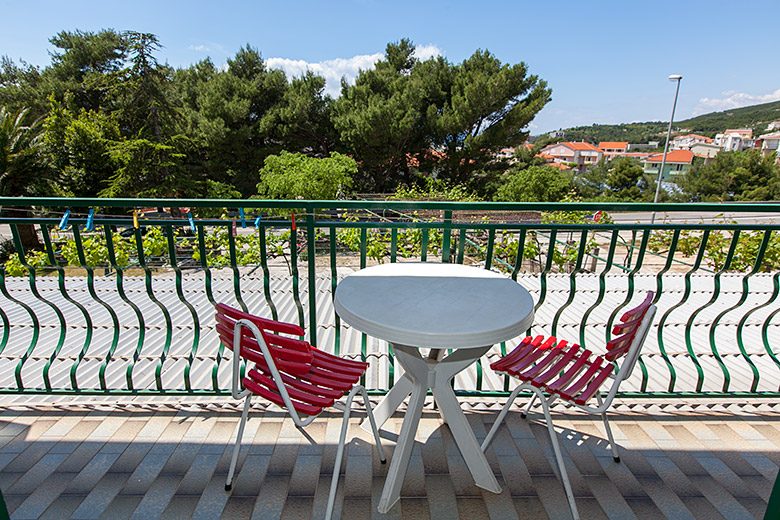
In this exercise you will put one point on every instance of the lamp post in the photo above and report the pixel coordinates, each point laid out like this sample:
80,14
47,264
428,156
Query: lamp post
677,78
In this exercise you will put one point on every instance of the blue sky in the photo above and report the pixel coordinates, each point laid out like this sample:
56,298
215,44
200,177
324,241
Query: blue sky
606,61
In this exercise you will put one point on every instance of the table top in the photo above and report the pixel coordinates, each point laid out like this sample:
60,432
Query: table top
427,304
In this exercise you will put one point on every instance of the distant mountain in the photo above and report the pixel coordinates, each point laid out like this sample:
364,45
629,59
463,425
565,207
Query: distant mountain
756,117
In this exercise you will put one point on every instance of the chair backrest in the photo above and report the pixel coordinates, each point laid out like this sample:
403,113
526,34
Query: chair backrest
630,334
290,355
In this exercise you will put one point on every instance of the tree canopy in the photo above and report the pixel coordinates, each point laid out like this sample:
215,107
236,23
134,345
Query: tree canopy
297,176
433,116
733,176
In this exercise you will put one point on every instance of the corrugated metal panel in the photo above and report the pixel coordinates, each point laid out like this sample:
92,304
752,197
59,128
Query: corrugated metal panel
760,289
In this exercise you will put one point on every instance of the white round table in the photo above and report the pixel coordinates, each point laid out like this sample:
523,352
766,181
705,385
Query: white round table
439,306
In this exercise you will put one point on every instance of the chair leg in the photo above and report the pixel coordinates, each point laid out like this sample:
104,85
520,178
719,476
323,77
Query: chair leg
530,404
367,404
612,445
237,447
334,481
500,417
558,454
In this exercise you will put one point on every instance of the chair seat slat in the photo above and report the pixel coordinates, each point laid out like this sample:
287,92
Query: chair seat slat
556,368
297,394
595,384
526,346
552,355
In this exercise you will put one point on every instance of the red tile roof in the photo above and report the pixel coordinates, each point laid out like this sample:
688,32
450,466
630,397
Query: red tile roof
677,156
560,166
613,144
582,146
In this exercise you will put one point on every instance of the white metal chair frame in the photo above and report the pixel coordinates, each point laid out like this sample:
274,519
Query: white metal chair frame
242,393
626,368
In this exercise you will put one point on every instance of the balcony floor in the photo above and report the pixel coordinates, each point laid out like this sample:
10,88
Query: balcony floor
164,458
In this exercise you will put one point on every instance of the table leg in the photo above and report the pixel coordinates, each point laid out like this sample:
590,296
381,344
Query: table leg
466,441
417,371
390,402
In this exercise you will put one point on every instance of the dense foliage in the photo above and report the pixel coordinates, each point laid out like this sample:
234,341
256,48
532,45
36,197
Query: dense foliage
733,176
107,119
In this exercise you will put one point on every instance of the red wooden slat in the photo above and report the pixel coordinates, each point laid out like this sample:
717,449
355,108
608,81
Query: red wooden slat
292,344
530,358
570,391
275,398
278,353
267,380
521,350
263,323
559,365
326,379
306,386
552,354
334,365
595,384
348,363
579,364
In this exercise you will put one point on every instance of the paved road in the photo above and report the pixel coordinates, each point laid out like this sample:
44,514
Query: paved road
693,217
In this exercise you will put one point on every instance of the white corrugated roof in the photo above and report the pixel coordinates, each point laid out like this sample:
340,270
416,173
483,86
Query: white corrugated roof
674,313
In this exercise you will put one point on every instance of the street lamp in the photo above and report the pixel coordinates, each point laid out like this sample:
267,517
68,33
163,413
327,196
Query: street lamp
677,78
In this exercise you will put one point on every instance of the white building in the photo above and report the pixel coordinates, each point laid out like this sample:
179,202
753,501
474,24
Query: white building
735,140
770,143
684,142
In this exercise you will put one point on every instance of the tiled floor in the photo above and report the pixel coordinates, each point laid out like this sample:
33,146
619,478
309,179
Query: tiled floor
150,460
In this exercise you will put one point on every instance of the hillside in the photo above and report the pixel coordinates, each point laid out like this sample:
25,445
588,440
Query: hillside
755,117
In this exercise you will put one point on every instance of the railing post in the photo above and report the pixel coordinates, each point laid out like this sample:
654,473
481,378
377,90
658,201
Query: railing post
445,241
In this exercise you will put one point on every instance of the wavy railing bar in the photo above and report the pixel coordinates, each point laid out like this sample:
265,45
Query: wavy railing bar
558,259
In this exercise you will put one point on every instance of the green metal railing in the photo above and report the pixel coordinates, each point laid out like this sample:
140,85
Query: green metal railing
102,278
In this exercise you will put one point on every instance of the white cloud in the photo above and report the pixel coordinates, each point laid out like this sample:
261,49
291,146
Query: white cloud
733,99
199,48
347,68
424,52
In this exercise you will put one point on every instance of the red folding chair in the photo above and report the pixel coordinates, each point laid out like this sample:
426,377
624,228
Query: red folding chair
291,373
553,369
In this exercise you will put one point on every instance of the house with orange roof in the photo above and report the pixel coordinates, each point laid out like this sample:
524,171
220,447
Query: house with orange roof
581,155
684,142
612,149
678,162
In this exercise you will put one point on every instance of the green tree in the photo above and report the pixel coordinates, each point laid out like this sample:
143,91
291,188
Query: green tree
380,118
76,145
733,176
621,179
301,120
22,172
488,107
86,64
450,119
143,96
21,87
535,184
147,168
228,115
297,176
